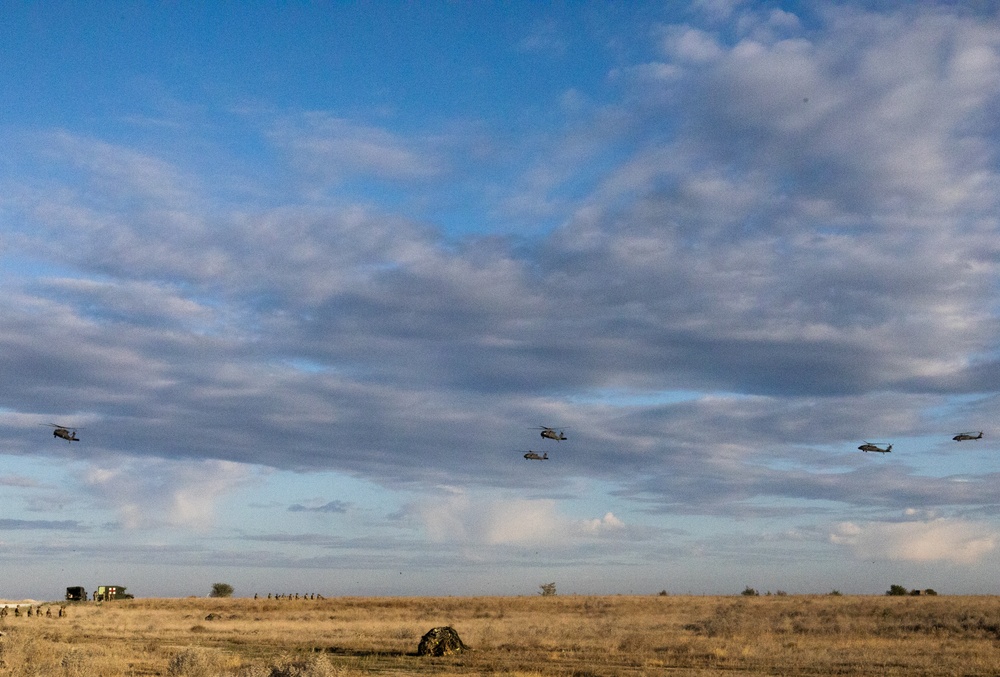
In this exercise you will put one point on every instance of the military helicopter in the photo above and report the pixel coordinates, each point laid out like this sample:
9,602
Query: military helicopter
532,456
551,433
65,432
960,437
868,446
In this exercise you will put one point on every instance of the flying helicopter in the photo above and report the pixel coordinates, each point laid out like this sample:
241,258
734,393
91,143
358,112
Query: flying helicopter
868,446
968,436
65,432
532,456
551,433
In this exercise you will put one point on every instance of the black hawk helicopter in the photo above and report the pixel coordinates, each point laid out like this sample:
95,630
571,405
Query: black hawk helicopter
551,433
532,456
65,432
868,446
960,437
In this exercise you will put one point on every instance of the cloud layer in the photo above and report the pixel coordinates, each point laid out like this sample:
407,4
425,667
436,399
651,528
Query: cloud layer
721,268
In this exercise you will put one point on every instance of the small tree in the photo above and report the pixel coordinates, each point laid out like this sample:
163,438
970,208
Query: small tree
749,592
547,589
221,590
896,590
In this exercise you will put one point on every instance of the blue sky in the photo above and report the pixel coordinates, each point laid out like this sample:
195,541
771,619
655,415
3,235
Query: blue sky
306,278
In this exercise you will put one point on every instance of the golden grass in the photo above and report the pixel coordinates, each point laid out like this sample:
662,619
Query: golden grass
517,636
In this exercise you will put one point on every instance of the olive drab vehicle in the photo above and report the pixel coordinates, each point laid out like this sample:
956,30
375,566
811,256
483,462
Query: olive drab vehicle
532,456
106,593
65,432
961,437
868,446
76,593
550,433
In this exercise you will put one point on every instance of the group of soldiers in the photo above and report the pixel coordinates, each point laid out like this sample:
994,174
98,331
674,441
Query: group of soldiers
31,611
312,595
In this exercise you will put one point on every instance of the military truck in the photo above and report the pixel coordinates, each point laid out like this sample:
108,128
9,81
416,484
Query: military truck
76,593
105,593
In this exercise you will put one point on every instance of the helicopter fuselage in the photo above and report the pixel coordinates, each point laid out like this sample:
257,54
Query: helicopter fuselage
68,435
872,447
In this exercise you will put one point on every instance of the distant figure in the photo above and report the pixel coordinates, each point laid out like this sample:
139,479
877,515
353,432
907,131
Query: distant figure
17,611
48,612
62,611
29,611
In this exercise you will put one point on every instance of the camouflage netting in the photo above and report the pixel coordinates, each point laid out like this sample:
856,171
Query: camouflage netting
440,642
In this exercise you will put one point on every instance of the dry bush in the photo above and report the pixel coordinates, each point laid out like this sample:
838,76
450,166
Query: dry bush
197,663
318,666
725,621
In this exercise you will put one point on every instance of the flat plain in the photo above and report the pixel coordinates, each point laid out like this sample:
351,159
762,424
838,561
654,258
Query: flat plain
522,636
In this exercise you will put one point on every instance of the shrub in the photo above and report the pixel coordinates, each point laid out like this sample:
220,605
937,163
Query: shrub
547,589
221,590
196,663
896,590
749,592
316,666
725,621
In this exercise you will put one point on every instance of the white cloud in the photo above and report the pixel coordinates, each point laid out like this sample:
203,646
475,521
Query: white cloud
336,148
607,524
936,540
689,44
546,38
156,492
717,10
522,522
461,518
124,171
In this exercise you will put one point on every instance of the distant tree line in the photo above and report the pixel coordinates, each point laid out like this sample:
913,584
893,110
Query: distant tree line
899,590
893,591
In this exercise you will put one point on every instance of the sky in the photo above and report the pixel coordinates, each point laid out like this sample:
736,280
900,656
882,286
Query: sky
308,277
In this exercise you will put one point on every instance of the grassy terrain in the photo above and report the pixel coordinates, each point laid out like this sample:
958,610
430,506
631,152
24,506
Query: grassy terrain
523,636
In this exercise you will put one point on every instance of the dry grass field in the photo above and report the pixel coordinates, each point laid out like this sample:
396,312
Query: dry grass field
521,636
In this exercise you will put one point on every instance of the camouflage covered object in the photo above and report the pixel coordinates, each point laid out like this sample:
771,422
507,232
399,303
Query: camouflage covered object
442,641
